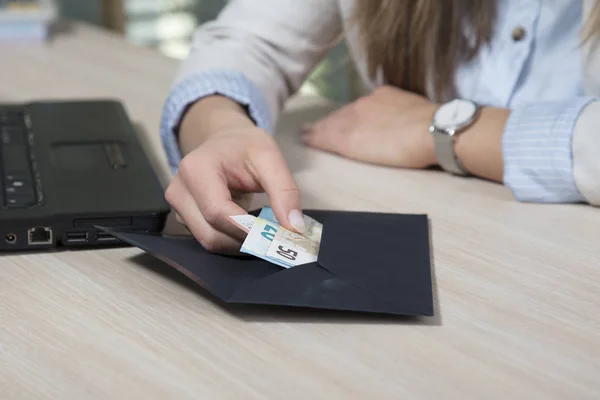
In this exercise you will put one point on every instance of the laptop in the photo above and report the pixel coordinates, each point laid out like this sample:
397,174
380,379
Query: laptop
67,167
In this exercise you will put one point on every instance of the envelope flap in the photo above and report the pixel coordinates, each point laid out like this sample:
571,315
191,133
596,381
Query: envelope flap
312,286
218,274
385,254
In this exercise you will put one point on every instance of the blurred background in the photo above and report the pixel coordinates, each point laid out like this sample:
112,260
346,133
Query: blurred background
168,26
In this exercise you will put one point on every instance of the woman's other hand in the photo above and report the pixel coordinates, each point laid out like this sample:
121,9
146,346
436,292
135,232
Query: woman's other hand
227,155
388,127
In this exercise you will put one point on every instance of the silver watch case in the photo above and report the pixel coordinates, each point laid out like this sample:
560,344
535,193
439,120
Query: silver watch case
444,142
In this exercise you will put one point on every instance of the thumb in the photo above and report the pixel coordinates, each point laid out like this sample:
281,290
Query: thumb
274,176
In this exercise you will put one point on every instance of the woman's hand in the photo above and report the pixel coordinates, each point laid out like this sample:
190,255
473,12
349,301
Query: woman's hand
227,156
391,127
388,127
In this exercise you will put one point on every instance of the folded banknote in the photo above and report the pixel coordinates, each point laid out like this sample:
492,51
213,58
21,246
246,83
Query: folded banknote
268,240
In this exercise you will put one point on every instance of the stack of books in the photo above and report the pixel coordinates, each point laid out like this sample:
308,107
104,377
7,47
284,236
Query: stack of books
26,20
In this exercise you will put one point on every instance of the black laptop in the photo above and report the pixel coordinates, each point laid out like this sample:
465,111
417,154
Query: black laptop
67,167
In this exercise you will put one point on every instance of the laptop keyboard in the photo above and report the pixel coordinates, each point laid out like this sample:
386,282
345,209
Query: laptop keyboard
16,167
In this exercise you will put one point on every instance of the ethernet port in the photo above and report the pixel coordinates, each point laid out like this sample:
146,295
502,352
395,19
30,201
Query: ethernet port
39,235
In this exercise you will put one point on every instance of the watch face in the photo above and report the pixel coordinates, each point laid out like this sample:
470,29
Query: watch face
454,114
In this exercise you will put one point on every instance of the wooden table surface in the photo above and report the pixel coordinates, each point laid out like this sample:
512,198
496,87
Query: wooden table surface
517,285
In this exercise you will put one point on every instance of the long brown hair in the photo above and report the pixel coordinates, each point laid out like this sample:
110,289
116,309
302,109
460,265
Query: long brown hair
406,38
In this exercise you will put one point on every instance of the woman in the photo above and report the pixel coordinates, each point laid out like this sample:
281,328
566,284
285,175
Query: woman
516,80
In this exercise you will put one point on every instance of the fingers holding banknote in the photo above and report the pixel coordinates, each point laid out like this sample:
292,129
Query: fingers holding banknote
189,214
232,162
273,175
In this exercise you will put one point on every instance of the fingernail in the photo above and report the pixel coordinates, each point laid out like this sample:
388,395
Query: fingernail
296,220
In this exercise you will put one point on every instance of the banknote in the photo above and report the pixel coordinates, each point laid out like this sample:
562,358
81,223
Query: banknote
259,239
296,241
268,240
244,222
313,229
290,247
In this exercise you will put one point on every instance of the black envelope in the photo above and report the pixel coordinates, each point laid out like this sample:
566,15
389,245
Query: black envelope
368,262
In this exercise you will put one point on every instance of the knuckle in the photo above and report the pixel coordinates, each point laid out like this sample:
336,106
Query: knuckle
209,242
171,193
267,148
290,191
185,166
212,242
270,156
193,163
211,214
289,194
260,152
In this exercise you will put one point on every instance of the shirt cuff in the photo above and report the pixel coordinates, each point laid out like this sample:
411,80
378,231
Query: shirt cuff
233,85
537,150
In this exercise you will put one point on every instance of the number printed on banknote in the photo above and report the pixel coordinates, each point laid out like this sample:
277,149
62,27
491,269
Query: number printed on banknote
283,251
266,239
259,240
313,228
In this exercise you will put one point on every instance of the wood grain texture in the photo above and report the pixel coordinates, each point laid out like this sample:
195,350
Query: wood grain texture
518,285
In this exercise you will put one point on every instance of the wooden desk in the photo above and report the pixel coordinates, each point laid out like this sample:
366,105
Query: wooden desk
518,285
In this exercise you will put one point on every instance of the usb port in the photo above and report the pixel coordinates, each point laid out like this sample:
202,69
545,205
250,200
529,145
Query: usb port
105,237
77,237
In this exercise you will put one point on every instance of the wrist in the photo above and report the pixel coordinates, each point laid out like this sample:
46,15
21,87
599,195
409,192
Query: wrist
430,157
479,147
210,116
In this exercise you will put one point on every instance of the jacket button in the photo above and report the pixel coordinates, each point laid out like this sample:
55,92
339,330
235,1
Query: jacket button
518,34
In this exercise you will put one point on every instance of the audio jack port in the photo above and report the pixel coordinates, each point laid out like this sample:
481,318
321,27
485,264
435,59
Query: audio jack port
11,238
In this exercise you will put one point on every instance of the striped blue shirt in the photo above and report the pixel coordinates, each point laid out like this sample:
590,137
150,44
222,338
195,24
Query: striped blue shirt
538,77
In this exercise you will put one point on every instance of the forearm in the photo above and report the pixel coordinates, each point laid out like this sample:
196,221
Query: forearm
530,149
228,93
210,115
479,148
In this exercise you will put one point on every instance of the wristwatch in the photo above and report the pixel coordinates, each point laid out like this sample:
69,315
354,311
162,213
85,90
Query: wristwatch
451,119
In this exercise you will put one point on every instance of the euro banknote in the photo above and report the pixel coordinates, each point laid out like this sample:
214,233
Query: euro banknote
313,229
259,240
268,240
293,248
244,222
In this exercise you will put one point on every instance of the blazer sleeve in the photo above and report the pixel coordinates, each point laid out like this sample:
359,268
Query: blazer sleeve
586,153
274,44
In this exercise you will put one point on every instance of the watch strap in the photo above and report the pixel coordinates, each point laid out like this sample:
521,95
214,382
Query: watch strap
444,150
